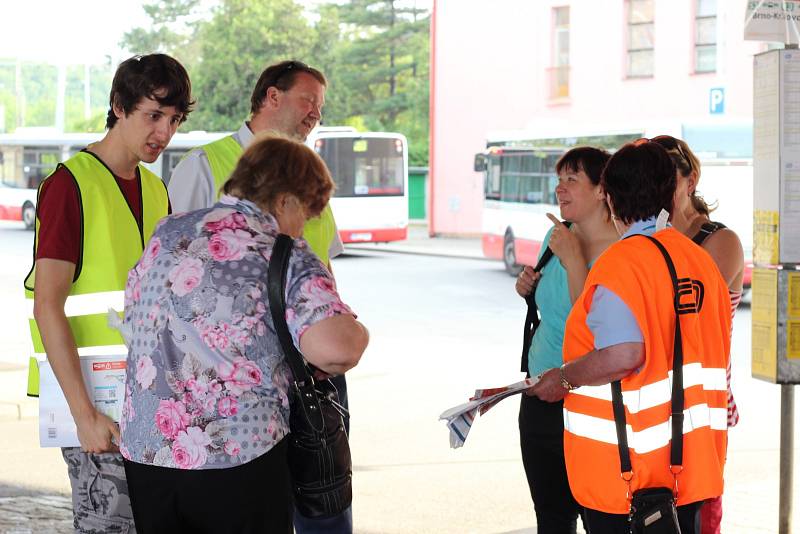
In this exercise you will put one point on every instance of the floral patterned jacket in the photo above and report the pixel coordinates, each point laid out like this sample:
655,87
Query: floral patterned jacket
207,383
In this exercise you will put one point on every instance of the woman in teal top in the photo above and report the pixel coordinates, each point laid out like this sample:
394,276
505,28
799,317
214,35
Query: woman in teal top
541,425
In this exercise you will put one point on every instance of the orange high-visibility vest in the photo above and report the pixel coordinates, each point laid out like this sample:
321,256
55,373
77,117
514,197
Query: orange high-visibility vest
635,271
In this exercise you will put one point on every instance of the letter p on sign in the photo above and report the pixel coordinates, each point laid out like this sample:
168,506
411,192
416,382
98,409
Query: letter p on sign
716,100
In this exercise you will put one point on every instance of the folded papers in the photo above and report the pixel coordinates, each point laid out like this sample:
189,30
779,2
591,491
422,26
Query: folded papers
460,418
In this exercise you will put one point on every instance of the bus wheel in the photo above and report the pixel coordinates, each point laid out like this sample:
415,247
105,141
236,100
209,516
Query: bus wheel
510,255
29,215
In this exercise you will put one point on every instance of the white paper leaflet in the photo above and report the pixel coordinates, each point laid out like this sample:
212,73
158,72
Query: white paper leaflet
104,377
460,418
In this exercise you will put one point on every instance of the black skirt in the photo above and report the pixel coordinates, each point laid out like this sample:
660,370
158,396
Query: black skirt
250,498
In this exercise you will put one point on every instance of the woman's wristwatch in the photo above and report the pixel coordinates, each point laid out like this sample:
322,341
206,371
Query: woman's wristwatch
566,384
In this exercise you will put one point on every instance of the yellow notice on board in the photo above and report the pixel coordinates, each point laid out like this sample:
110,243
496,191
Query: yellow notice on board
793,340
765,237
765,324
793,309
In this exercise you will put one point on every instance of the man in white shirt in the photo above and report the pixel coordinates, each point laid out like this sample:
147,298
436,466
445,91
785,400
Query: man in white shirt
287,99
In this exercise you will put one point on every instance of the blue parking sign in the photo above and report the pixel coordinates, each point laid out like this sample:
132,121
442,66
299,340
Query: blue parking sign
716,100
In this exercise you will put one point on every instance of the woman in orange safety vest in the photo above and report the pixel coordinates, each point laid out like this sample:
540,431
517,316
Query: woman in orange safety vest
622,327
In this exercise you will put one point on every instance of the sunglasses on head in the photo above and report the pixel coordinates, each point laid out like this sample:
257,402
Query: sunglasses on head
668,143
287,68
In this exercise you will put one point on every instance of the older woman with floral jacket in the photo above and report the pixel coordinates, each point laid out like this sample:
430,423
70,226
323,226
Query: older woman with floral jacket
206,407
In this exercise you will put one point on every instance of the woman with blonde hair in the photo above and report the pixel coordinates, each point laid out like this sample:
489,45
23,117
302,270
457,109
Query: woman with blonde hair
691,216
206,413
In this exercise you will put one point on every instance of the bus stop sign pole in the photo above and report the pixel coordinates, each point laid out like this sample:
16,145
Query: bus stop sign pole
786,459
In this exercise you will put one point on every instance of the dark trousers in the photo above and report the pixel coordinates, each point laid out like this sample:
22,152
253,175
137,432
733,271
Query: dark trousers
603,523
541,437
250,498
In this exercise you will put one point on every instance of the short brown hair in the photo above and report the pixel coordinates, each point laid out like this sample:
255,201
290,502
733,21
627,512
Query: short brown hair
274,165
588,159
639,180
281,76
156,76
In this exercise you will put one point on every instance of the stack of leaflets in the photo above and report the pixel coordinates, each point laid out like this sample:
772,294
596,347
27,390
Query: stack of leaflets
459,418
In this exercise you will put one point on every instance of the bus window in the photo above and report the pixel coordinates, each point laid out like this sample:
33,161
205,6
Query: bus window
493,179
170,159
37,164
479,165
364,166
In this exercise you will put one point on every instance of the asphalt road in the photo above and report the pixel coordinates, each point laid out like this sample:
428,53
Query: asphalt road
440,328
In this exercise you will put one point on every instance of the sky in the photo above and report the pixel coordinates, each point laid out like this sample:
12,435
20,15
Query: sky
77,31
74,32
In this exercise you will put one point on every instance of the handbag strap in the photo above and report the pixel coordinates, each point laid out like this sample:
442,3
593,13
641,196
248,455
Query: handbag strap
532,315
304,383
676,443
276,285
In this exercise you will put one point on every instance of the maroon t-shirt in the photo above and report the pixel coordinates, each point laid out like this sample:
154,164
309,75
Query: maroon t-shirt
59,214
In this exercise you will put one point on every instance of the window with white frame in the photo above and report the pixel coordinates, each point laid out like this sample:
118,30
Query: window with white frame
705,36
559,72
641,38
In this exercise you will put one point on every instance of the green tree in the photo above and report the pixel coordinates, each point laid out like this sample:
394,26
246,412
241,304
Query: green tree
174,25
373,52
242,38
384,65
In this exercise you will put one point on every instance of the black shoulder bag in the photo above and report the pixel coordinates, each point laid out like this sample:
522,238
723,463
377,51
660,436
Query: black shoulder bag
318,452
532,317
654,510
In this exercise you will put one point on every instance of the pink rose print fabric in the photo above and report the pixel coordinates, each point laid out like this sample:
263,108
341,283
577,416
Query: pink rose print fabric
208,387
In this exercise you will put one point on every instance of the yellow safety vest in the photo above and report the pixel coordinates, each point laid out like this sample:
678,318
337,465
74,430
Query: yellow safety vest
111,243
222,156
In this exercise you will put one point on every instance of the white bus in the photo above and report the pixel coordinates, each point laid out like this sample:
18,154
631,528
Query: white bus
520,180
27,157
370,170
371,174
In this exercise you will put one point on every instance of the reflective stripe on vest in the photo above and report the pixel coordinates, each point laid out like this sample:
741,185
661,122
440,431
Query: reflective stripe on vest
660,392
222,156
635,271
112,243
650,439
88,304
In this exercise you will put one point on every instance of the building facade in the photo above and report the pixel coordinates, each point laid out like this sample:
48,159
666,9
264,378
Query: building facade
558,68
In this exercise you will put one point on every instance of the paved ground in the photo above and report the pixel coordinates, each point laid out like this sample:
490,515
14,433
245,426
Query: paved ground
426,487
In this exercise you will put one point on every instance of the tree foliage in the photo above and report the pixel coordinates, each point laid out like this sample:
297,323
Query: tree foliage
242,39
373,52
174,24
31,99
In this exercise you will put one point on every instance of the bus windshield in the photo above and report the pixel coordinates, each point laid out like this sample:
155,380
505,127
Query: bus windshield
525,176
363,166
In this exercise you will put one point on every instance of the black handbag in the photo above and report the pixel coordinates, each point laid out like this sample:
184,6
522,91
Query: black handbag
654,510
532,315
319,452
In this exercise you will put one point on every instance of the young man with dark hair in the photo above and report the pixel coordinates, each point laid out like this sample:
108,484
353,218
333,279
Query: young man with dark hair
95,213
287,99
